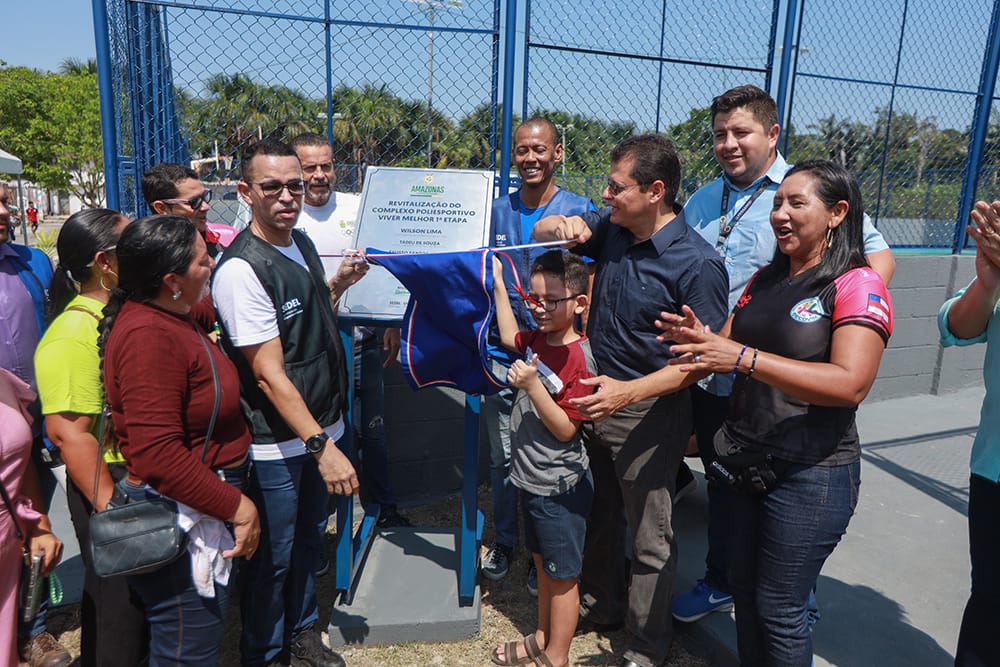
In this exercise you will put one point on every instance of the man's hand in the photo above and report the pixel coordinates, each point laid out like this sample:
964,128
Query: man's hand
352,269
390,345
610,397
337,471
562,228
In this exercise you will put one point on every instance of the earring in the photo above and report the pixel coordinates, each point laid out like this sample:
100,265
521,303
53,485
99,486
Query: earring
105,287
176,295
829,237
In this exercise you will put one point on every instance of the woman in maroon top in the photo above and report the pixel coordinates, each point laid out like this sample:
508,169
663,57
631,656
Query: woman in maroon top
160,388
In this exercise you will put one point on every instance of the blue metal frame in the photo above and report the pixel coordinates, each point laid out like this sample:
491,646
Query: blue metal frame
109,134
980,125
507,123
785,69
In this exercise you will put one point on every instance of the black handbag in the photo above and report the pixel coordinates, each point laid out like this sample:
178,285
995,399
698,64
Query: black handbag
142,536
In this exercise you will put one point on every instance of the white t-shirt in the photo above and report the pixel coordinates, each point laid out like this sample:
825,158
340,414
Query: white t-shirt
244,307
331,227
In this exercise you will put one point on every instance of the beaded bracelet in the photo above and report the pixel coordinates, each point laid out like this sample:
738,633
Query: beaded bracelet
753,362
736,368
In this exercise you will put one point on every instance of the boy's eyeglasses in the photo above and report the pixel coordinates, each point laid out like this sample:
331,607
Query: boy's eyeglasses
195,202
548,305
274,188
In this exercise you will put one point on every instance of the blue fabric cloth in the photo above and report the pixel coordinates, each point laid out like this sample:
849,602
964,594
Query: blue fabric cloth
446,323
751,244
985,460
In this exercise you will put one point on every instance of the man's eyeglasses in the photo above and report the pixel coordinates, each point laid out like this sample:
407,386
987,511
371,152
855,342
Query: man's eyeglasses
273,188
195,202
616,189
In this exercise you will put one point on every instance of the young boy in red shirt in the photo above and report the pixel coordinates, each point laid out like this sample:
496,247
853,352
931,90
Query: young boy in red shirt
548,460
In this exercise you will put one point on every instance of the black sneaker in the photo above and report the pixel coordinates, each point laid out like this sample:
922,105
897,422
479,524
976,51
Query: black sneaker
308,648
532,578
497,562
393,519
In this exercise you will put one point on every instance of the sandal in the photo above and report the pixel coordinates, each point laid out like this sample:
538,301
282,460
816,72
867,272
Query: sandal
531,650
542,660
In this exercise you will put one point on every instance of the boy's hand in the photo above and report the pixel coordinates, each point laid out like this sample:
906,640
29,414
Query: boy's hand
497,271
523,374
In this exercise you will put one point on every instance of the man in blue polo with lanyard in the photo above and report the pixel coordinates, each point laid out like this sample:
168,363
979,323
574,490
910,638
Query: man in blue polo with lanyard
733,214
537,151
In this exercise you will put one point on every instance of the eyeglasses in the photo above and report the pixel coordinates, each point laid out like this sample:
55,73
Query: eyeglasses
195,202
616,189
548,305
273,188
110,248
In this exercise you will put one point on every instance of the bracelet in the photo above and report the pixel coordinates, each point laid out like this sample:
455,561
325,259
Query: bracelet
736,368
753,362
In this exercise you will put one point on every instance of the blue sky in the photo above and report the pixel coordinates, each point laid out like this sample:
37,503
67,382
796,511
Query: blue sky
43,33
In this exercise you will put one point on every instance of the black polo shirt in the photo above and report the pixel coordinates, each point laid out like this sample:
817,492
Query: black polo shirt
635,281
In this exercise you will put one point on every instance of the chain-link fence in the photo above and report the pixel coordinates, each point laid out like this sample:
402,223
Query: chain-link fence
400,82
893,90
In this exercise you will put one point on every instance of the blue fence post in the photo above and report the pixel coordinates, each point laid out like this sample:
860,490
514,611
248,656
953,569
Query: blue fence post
507,122
980,125
785,70
109,134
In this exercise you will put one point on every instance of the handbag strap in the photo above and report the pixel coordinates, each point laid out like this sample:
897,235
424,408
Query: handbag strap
211,421
10,508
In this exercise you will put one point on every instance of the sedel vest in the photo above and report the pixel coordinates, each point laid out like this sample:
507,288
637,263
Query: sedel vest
307,326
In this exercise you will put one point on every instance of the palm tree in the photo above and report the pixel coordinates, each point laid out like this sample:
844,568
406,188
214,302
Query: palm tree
75,66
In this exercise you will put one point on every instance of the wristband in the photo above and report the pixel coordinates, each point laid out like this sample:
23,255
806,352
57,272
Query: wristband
753,362
736,368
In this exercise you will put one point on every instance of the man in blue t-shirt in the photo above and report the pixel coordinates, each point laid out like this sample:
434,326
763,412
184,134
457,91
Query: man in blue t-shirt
733,214
536,153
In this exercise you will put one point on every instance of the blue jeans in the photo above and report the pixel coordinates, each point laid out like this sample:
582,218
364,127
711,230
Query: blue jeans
777,544
184,628
278,591
496,413
369,424
977,642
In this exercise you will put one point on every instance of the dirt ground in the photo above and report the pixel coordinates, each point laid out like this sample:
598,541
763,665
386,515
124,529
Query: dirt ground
508,612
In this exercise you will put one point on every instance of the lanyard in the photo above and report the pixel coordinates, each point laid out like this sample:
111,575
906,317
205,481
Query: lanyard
726,225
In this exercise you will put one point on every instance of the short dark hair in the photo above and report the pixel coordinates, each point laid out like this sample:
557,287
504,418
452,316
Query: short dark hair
160,182
654,158
541,121
566,266
269,147
834,183
308,139
760,105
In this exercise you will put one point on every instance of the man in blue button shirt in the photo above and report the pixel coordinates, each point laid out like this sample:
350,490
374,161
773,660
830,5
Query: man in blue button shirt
733,214
648,259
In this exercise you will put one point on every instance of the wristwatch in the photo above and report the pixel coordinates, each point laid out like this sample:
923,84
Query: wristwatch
316,443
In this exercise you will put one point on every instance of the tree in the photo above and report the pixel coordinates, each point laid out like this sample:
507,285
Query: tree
74,66
52,122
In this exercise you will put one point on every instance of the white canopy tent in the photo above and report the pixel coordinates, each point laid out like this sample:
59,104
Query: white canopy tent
11,164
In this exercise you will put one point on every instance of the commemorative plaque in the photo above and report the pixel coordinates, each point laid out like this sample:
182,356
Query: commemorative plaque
406,210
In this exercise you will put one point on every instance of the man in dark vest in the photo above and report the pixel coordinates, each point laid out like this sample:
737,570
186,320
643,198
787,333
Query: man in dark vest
279,327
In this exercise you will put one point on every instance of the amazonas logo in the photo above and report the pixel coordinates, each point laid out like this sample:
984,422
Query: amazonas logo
808,310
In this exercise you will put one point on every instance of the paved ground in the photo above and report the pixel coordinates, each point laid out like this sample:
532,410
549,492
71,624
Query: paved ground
894,590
